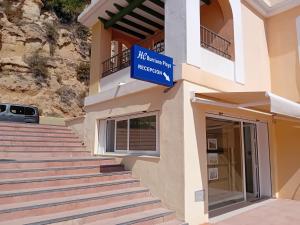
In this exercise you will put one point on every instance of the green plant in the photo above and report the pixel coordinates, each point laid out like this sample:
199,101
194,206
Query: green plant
66,10
38,66
66,94
83,72
80,98
52,36
82,32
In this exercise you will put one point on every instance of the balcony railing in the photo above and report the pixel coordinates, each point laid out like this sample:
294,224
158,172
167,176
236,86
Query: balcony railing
209,40
122,60
215,43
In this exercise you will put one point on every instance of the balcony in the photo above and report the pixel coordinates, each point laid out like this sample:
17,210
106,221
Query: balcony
215,43
209,40
122,60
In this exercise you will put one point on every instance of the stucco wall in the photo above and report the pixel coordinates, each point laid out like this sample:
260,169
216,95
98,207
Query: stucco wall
257,63
164,175
288,159
283,50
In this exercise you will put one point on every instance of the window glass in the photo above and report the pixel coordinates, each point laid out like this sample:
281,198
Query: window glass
121,135
2,108
142,134
110,136
17,110
29,111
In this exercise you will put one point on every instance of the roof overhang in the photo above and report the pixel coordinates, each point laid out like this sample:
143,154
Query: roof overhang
113,11
265,102
272,7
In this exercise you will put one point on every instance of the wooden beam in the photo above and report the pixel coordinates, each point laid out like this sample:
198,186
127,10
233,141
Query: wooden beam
124,29
151,12
141,18
159,3
131,23
125,11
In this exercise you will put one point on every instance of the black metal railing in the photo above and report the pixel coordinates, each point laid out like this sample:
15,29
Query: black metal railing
215,43
122,60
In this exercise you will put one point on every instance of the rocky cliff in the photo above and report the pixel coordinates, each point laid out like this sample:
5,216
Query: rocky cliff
43,61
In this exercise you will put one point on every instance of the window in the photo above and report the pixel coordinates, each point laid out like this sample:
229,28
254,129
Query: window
121,134
132,134
2,108
29,111
19,110
142,134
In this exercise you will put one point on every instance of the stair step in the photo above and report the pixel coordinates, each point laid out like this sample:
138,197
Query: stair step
153,216
38,154
25,195
26,183
36,129
90,214
51,171
59,147
38,138
57,162
36,134
42,207
12,124
30,143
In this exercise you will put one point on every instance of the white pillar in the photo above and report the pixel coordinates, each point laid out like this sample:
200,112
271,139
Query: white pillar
236,7
182,32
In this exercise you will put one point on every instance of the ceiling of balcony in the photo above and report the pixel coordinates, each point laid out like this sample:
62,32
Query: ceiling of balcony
138,18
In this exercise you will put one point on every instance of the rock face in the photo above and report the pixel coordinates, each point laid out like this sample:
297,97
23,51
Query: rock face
23,36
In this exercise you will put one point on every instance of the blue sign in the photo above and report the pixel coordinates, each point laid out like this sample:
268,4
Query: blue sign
151,66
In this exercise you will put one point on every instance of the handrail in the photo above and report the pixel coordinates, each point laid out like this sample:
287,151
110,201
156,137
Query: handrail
122,60
215,43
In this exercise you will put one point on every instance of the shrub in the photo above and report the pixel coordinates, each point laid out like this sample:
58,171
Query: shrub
80,98
52,36
83,72
82,32
66,10
38,67
66,94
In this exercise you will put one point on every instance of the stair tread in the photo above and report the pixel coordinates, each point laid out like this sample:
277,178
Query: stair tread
134,217
13,124
64,187
47,159
66,200
61,177
80,213
48,169
40,140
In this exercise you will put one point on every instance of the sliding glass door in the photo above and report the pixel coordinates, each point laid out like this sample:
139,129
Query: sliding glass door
231,161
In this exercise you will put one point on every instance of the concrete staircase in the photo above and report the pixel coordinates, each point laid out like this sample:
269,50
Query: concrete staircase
48,177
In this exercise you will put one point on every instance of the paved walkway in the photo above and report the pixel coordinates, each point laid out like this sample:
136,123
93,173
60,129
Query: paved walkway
270,212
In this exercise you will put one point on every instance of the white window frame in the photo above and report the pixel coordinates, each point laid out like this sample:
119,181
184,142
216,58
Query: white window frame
135,152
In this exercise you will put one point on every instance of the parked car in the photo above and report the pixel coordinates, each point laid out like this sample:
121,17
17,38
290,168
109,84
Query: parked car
19,113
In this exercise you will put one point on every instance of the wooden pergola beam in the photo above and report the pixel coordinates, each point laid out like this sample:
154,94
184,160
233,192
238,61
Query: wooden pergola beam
125,11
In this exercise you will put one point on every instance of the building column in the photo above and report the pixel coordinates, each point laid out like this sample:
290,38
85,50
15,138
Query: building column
101,44
182,33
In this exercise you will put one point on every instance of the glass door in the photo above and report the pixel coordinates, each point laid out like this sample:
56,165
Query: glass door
225,162
251,161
